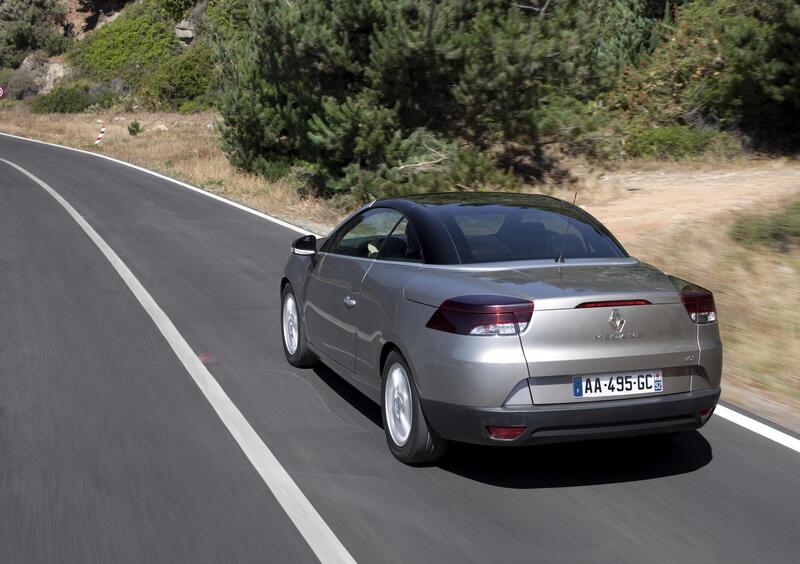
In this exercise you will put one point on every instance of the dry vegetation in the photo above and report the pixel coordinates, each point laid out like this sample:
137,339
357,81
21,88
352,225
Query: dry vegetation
674,215
757,290
185,147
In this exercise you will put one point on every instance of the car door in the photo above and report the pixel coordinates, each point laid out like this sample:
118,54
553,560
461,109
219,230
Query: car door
334,285
381,302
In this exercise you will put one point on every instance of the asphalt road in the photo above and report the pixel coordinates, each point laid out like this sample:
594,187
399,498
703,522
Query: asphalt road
109,452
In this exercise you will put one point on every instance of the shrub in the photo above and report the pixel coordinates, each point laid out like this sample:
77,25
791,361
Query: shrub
175,9
677,141
30,25
5,76
134,128
781,228
130,47
182,82
227,18
74,97
733,64
21,85
345,84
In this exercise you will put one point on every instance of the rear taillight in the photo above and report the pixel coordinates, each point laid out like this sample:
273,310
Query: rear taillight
482,315
699,303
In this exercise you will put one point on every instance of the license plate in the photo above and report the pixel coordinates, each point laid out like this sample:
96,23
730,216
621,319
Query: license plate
602,385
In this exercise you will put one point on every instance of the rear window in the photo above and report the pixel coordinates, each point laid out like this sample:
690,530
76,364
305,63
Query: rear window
496,233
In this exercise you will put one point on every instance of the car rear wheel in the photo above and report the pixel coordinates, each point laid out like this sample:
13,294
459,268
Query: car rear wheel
408,435
295,346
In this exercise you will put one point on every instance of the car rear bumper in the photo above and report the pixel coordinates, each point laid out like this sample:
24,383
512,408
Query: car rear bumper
571,422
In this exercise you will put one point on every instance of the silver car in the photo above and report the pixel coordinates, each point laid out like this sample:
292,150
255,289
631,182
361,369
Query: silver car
502,319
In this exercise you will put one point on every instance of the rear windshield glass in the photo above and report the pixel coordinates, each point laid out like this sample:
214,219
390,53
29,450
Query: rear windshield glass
496,233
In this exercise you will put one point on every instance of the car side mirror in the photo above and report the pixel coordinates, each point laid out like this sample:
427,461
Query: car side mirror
305,246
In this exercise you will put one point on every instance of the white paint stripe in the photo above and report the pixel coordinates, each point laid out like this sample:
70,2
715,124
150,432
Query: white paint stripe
316,532
172,180
732,416
759,428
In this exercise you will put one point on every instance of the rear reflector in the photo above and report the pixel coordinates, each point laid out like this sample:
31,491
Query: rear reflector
505,433
699,304
482,315
613,303
706,413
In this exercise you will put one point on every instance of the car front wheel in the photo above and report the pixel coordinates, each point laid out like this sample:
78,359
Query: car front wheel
408,435
295,346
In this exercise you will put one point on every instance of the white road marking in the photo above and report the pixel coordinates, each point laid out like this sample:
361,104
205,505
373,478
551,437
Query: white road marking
734,417
758,427
315,531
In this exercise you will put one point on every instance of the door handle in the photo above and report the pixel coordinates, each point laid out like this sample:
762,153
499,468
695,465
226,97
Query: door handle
349,302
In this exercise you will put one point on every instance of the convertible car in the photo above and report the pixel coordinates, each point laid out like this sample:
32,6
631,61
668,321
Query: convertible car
504,319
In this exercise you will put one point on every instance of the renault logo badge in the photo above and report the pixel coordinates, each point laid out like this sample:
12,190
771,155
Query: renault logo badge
616,321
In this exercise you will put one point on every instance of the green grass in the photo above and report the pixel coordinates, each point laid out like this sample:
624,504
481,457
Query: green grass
678,141
780,229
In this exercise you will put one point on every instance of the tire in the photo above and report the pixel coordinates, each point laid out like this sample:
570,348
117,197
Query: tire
414,442
293,332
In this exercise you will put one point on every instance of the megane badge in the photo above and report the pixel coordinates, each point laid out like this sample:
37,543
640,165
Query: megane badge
616,321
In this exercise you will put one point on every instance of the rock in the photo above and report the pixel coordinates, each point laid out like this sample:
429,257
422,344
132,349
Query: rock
184,31
44,72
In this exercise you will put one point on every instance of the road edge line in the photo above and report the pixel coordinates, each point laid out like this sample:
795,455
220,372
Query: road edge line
758,427
180,183
316,532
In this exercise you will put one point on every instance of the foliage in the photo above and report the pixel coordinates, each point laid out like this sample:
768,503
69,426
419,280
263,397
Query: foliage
226,18
183,81
21,85
30,25
134,128
73,97
175,9
130,47
731,64
677,141
780,228
345,84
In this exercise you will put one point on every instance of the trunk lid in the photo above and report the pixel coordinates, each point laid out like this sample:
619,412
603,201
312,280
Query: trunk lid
563,340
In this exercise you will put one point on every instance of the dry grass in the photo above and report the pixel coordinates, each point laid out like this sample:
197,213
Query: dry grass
674,215
185,147
758,299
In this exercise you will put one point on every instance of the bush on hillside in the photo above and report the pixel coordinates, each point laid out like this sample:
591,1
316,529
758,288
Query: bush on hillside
183,81
31,25
226,18
781,228
130,47
678,141
73,97
21,85
729,64
175,9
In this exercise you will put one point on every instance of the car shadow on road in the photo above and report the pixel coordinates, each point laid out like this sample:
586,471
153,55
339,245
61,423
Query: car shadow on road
350,394
573,464
582,463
